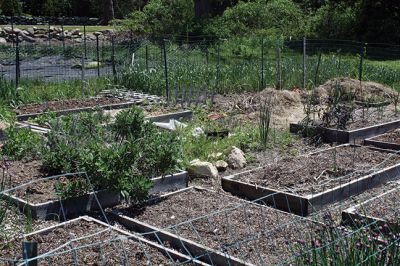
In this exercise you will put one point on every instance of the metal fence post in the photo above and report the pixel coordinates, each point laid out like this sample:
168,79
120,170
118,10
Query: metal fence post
48,34
279,69
83,74
114,70
304,63
360,70
17,61
218,64
97,55
166,71
12,26
84,39
63,37
262,64
147,58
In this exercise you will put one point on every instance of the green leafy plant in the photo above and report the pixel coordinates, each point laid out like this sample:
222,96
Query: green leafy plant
21,143
71,188
129,123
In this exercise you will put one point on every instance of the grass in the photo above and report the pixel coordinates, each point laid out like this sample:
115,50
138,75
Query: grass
244,136
38,91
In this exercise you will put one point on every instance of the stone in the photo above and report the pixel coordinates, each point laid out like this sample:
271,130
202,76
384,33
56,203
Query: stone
31,31
236,159
8,29
75,32
202,169
28,38
16,30
221,165
3,41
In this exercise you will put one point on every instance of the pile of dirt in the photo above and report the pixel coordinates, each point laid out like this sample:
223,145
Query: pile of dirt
287,105
364,92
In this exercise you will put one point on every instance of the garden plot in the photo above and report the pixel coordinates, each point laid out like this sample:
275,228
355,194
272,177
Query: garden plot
382,209
107,101
70,194
389,140
306,183
359,125
227,230
128,158
86,241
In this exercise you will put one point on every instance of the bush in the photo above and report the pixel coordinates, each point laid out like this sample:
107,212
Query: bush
334,21
160,17
276,18
81,143
21,143
11,8
129,123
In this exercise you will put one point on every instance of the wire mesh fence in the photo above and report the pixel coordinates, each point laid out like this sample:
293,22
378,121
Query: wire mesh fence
226,65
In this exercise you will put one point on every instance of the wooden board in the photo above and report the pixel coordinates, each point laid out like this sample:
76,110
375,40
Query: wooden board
304,205
71,207
347,136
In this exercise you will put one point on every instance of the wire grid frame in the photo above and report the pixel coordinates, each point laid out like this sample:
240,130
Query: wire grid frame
266,236
253,233
86,241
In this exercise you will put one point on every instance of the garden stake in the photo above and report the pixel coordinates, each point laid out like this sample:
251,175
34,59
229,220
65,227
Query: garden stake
304,63
29,252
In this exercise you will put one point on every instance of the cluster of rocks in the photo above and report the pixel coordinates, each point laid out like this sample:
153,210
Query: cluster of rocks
235,160
28,20
35,34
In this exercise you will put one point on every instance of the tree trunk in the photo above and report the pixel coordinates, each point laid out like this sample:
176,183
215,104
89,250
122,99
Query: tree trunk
108,11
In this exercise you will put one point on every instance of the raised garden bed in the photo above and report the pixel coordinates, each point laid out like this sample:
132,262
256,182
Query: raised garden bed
76,106
217,228
389,140
44,203
306,183
356,130
85,241
382,210
185,115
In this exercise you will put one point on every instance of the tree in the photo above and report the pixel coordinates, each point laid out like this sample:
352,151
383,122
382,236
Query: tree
380,21
161,17
11,7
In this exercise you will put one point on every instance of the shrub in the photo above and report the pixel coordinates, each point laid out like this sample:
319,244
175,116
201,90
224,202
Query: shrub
21,143
81,143
129,123
11,8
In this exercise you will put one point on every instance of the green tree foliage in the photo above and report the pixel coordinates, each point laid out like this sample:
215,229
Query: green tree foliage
276,17
380,21
162,17
11,7
335,20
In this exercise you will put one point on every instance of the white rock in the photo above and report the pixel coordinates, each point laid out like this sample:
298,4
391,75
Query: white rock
236,159
197,132
202,169
221,165
8,29
3,41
